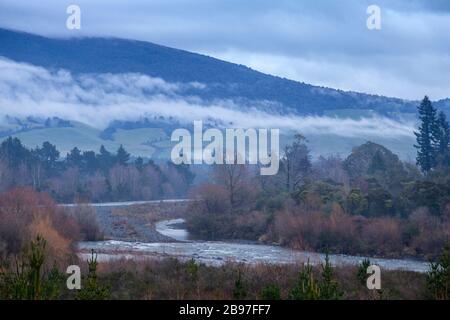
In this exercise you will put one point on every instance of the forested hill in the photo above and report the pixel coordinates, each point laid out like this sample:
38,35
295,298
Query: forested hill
223,80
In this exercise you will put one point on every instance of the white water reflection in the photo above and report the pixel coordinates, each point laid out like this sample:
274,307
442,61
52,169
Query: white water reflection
169,228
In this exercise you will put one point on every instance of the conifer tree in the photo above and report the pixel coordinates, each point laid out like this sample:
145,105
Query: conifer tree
329,287
271,292
438,277
307,288
239,291
193,272
122,156
139,163
105,159
74,158
92,290
28,279
443,140
426,136
361,273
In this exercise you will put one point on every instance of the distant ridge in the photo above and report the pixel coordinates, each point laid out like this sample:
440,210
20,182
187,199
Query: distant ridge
224,80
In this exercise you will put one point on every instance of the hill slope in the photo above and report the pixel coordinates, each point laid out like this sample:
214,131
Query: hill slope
224,80
221,81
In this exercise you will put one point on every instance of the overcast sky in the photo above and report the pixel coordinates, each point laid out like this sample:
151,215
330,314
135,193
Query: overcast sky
320,42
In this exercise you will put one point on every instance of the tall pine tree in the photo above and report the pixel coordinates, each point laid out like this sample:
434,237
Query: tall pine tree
122,157
426,136
74,158
443,140
105,159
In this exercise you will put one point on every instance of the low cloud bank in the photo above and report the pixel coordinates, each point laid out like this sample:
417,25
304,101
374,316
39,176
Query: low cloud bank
96,100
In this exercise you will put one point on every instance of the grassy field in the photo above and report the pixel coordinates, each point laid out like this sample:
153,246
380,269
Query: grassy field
155,143
147,142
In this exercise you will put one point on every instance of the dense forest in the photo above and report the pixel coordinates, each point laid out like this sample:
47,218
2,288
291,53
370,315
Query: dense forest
89,176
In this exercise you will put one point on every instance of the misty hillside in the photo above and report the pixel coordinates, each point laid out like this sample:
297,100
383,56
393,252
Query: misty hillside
223,80
105,72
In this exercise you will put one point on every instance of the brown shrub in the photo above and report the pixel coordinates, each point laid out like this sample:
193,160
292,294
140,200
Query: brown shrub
214,198
86,219
25,212
382,236
58,248
337,232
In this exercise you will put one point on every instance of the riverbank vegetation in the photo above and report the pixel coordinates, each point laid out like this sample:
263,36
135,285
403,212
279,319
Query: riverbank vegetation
339,206
39,244
31,275
173,279
26,213
369,203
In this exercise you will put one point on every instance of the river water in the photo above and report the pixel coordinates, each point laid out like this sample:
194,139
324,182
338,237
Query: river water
219,252
125,203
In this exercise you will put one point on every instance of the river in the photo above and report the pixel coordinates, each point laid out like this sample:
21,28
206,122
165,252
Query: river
125,203
218,252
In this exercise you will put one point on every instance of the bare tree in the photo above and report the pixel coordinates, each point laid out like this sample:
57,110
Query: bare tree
235,179
296,163
331,168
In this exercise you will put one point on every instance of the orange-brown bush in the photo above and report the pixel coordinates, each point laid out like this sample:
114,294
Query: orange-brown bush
58,248
214,199
382,236
307,230
24,213
420,235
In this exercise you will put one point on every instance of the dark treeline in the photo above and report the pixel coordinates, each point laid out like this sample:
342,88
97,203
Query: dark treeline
433,138
368,203
87,175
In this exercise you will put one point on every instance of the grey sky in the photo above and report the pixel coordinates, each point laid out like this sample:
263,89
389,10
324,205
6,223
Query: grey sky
320,42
